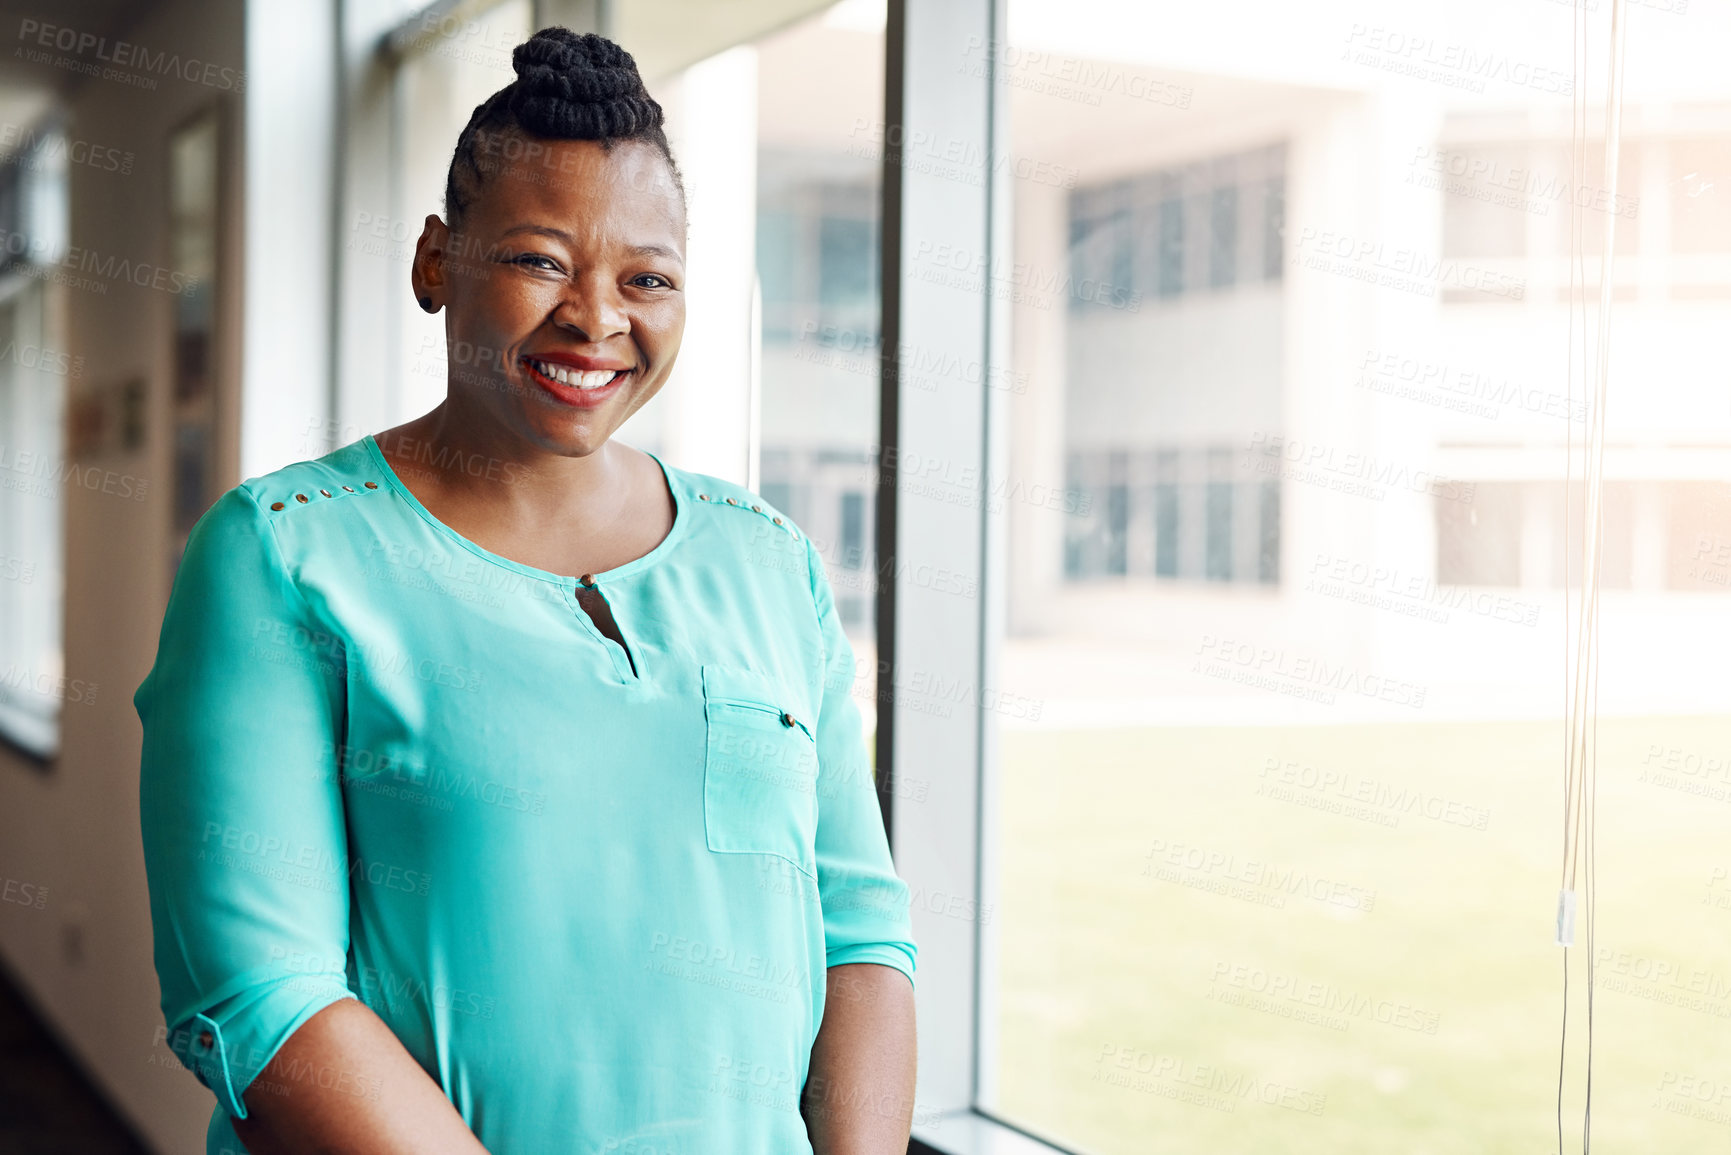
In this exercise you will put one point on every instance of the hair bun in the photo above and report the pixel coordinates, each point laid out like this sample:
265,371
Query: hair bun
579,87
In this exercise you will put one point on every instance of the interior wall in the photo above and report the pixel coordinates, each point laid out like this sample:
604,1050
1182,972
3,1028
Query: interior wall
84,959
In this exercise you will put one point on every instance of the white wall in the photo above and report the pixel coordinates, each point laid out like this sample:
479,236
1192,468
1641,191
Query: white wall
85,960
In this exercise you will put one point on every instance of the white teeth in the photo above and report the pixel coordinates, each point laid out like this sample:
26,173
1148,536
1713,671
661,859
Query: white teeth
594,380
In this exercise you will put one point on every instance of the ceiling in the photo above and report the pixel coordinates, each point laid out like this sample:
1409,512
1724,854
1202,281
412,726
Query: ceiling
667,35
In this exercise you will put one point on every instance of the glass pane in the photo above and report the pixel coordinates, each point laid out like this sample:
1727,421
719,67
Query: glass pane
39,462
436,93
1278,856
819,141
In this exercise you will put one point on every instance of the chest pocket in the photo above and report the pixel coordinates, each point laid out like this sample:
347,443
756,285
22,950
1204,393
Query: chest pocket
760,769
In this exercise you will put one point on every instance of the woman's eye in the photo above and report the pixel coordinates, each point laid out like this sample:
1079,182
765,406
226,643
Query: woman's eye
651,281
527,260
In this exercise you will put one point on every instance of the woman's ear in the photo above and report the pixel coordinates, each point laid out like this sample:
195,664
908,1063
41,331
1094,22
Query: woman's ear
427,273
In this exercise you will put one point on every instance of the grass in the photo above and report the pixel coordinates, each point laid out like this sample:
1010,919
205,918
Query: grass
1116,962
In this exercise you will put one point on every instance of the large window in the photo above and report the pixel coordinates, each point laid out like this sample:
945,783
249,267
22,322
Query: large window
1274,862
1233,408
34,468
820,100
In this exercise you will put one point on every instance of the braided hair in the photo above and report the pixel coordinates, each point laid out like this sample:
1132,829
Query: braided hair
568,87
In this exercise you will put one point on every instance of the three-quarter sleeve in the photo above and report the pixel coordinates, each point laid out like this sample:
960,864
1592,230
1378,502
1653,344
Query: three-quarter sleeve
240,803
865,903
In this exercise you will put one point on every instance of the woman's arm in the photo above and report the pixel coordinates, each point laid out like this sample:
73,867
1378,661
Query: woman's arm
248,862
859,1095
344,1085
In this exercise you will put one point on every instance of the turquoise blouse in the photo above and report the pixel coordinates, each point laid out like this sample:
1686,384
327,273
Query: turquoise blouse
593,889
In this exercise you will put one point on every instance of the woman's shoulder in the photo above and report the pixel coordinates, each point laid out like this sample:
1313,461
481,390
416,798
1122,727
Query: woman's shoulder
733,507
347,472
271,505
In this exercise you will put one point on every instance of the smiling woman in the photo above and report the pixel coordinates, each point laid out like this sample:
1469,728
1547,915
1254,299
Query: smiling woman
503,788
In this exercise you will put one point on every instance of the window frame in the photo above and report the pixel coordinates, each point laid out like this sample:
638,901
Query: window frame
945,842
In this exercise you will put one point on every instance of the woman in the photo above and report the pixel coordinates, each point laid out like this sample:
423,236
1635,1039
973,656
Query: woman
502,789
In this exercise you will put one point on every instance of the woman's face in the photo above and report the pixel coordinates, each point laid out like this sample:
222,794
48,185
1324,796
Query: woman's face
564,289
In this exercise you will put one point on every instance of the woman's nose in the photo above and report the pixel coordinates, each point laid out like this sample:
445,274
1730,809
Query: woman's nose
594,309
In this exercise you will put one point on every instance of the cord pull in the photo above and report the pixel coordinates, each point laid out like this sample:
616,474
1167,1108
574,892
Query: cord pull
1565,918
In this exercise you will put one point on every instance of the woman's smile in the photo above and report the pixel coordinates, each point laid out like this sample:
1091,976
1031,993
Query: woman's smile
581,382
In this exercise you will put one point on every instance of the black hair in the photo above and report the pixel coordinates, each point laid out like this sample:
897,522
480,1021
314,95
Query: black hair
568,87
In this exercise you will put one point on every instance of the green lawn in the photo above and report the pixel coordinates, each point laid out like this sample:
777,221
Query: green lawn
1115,1037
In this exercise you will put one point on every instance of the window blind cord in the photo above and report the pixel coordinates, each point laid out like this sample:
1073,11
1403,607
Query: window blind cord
1577,281
1582,703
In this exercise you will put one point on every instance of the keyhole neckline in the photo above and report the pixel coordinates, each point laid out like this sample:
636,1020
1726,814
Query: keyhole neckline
675,489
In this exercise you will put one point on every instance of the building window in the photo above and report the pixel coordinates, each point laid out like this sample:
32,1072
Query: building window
1219,500
1171,272
1479,541
1700,183
853,538
1166,513
33,372
1268,537
1223,237
1657,534
1225,217
1197,520
1273,228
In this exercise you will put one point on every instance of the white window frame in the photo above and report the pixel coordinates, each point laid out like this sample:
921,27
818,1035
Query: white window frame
943,443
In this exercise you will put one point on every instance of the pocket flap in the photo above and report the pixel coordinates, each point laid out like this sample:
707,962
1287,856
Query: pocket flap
749,689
